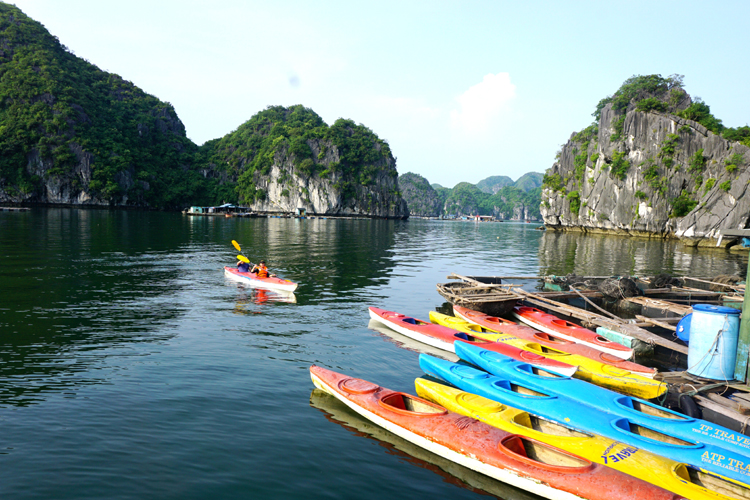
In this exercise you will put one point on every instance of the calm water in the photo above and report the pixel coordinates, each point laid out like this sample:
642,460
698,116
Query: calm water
131,368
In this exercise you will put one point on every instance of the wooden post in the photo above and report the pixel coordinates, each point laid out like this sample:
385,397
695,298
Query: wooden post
743,342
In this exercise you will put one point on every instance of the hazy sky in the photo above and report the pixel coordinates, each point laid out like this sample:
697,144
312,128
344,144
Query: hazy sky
461,90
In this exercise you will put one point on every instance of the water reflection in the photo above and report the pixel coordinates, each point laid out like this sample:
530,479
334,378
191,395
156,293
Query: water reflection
247,297
562,253
451,473
73,289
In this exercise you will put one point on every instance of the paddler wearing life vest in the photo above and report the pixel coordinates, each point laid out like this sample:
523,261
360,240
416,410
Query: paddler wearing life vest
260,269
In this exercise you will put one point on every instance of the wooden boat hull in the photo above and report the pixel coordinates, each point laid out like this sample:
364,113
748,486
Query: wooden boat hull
443,338
497,302
670,475
597,410
589,370
521,462
271,283
553,325
525,332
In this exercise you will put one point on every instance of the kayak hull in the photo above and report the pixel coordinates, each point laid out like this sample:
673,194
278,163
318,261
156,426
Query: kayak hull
553,325
668,474
584,406
444,338
525,332
271,283
481,447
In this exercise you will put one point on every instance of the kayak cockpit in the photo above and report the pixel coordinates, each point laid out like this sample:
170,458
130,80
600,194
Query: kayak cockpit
471,338
403,403
546,426
649,409
627,426
712,482
542,455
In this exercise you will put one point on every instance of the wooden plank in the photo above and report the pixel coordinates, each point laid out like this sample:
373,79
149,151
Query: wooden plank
741,419
656,322
663,305
595,319
738,406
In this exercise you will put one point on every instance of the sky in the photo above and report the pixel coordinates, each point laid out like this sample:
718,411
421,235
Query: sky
461,90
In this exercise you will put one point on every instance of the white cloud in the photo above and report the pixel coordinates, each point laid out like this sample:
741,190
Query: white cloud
482,105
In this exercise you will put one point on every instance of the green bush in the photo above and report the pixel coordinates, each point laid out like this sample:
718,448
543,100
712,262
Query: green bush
739,134
641,195
697,162
709,185
553,181
618,125
575,202
651,104
683,204
700,112
620,165
726,185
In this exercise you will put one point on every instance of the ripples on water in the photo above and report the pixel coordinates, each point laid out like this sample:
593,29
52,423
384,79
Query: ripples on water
130,367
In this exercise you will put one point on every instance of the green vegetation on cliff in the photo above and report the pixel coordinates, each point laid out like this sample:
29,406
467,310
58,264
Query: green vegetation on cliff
57,109
422,199
656,93
248,153
72,133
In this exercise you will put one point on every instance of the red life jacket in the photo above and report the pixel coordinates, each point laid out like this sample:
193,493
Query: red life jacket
262,271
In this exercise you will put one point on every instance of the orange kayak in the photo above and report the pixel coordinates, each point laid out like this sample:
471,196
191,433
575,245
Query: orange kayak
501,325
520,461
553,325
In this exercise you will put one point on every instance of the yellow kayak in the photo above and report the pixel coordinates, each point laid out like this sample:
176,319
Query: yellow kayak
676,477
590,370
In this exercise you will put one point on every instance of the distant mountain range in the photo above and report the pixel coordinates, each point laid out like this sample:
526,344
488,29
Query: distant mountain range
498,196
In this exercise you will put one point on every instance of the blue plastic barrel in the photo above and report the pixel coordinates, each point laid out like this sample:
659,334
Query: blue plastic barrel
713,341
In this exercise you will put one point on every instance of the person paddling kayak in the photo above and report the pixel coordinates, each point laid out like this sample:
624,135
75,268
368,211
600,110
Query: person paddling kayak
243,267
260,269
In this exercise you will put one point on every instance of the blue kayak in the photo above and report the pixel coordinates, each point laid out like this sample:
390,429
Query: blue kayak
677,437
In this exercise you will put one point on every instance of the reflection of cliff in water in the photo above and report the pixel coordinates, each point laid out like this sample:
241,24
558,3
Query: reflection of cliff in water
562,253
77,286
326,256
451,472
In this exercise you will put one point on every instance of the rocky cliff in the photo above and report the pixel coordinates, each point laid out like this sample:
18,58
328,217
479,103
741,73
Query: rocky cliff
73,134
284,159
645,170
421,198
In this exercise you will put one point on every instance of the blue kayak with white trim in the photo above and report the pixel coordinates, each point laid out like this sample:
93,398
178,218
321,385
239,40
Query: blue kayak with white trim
642,425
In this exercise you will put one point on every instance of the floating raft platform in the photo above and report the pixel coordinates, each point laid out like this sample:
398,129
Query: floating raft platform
647,324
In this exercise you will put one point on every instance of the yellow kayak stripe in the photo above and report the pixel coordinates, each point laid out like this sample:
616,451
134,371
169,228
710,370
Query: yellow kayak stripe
590,370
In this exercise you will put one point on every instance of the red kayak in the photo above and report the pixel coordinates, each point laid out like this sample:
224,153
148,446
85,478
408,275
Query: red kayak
250,279
443,338
520,461
551,341
553,325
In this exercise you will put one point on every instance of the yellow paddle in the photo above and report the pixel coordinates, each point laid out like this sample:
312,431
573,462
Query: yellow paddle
243,259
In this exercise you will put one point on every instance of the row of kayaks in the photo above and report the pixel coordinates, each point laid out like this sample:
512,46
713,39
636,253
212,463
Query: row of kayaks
522,406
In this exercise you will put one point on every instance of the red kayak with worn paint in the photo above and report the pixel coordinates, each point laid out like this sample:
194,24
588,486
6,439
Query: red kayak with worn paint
525,332
549,323
443,338
516,460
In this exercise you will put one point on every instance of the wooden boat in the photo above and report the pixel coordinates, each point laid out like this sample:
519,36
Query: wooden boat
584,406
553,325
522,462
491,299
250,279
589,370
443,338
676,477
546,340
